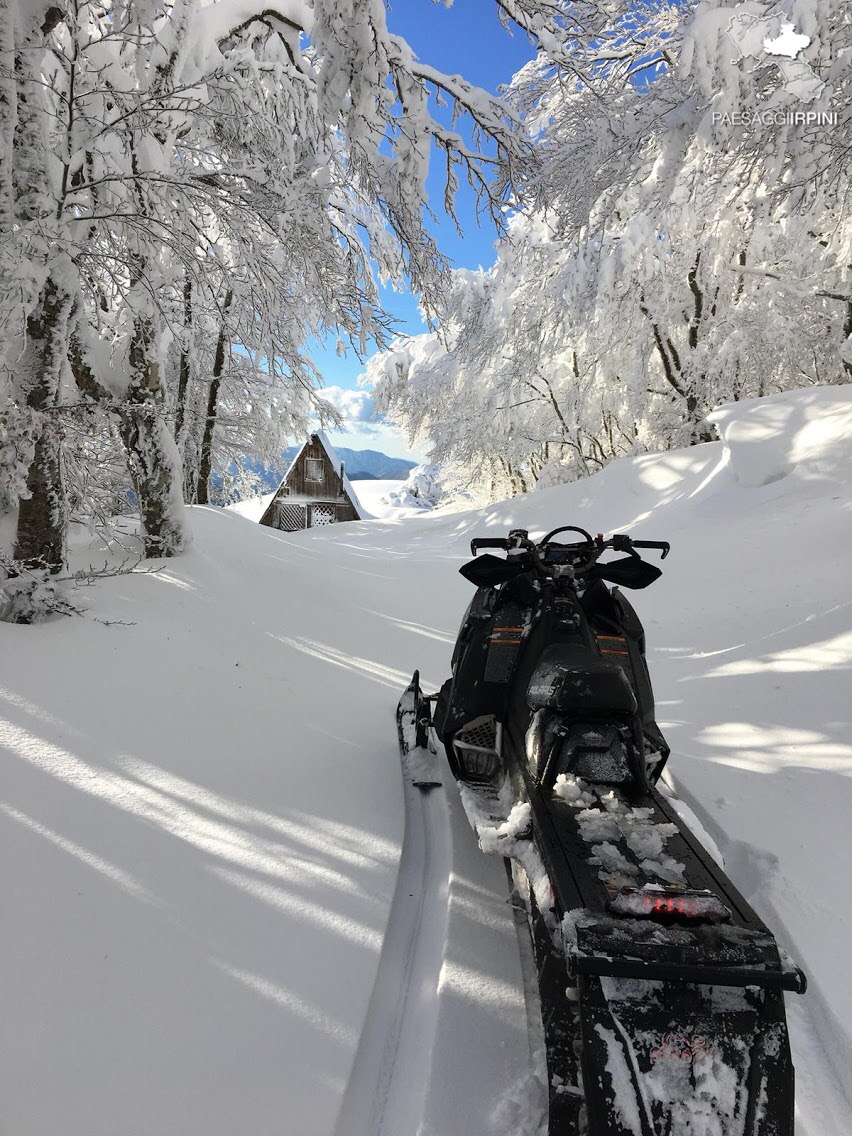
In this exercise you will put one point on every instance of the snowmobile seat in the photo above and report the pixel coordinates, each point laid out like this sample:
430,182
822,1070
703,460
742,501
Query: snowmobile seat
570,677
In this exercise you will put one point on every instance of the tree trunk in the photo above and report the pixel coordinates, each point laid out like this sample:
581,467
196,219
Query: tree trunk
183,375
673,373
188,462
40,539
206,464
8,114
153,456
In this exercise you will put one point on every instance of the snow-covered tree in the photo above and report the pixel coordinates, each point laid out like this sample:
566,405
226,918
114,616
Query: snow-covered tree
691,247
191,190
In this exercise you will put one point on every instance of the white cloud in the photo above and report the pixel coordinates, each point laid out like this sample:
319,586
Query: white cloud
377,436
361,429
353,405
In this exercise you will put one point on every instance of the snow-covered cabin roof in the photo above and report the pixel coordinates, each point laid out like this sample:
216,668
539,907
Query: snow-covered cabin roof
347,484
336,463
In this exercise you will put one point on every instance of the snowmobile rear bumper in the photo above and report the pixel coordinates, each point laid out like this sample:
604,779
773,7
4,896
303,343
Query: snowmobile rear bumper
704,975
670,1059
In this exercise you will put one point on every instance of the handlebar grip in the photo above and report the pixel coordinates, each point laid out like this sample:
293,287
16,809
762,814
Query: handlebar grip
488,542
663,545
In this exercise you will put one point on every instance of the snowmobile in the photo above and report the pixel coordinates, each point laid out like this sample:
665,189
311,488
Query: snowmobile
661,990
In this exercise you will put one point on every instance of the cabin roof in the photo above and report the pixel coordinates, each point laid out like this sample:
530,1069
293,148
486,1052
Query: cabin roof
331,454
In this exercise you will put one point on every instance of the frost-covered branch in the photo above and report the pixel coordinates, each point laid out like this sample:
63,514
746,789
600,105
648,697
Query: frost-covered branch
678,257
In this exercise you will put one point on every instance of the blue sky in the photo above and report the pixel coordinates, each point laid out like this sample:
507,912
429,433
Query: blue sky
466,38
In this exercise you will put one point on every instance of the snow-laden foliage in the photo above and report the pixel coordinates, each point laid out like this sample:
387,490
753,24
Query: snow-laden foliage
693,246
425,487
19,428
32,598
191,192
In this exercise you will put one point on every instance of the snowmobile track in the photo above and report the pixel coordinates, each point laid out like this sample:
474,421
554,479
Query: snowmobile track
390,1074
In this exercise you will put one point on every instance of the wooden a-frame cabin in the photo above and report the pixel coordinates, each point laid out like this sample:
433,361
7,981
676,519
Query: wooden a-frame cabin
314,491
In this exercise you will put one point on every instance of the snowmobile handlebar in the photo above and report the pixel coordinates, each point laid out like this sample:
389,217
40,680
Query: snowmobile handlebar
596,545
550,559
663,545
488,542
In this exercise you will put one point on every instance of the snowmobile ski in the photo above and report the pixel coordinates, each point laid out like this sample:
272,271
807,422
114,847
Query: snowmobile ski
661,989
416,747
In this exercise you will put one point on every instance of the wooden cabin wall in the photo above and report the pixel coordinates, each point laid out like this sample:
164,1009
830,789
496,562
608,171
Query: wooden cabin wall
330,486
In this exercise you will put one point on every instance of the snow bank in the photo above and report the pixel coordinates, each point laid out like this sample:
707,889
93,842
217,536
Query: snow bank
376,495
766,439
252,508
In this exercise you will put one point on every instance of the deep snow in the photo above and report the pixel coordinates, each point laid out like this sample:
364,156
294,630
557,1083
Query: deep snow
202,813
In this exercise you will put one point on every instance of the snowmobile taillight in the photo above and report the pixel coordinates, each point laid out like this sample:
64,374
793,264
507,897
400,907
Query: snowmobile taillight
670,906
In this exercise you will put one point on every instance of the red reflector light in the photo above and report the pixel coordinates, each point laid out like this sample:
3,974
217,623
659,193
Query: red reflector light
670,907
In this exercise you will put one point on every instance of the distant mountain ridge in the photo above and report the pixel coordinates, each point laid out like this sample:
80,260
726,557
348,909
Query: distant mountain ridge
367,464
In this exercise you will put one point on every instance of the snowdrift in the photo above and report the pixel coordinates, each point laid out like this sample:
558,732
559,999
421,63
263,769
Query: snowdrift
202,816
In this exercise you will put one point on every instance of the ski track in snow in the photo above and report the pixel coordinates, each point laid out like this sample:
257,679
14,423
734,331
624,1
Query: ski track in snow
450,980
821,1108
389,1078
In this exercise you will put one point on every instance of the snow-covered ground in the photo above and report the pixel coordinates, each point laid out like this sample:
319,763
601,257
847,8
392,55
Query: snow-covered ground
252,508
221,911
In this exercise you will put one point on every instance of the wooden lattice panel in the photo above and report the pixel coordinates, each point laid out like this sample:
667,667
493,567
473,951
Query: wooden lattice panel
290,516
322,515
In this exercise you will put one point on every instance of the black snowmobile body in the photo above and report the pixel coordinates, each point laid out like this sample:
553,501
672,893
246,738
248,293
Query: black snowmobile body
661,988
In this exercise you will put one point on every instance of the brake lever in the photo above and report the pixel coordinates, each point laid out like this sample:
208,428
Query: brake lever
620,542
663,546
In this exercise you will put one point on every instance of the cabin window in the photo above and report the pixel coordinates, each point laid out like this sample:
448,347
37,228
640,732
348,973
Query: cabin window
313,469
